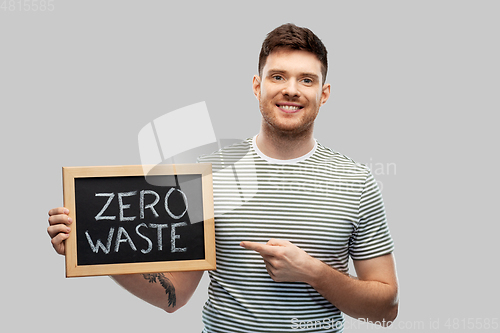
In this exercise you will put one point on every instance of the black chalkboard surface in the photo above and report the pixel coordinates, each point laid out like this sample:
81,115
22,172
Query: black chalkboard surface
125,222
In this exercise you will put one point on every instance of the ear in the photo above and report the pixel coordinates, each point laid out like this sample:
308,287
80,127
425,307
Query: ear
256,86
325,93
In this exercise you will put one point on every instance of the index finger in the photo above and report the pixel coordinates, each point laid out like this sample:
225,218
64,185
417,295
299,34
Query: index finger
59,216
58,211
261,248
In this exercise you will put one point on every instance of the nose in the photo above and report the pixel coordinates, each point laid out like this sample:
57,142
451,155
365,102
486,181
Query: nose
291,89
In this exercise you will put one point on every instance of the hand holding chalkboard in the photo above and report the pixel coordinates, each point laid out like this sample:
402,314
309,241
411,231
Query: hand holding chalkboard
124,224
59,228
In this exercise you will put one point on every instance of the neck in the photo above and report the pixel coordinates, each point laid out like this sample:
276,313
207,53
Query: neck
285,146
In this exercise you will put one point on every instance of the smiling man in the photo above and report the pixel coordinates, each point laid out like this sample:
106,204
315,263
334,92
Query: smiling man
283,251
314,208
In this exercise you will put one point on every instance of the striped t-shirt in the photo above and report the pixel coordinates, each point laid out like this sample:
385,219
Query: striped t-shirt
323,202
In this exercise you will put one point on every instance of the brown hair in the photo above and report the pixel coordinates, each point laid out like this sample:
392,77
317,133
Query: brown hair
295,38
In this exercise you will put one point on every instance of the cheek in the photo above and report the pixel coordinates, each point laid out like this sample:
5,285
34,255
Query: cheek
319,95
319,98
264,96
269,92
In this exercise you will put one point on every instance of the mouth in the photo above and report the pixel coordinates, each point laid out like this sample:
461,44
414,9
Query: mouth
289,107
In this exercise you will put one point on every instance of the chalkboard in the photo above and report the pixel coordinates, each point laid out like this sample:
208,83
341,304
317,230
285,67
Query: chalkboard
126,222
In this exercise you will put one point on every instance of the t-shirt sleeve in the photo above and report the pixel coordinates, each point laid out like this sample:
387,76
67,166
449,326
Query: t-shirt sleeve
371,238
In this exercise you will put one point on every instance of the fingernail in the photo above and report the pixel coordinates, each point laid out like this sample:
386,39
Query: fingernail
70,220
66,211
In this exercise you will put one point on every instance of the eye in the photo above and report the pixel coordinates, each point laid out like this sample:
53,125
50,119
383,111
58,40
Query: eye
307,81
277,77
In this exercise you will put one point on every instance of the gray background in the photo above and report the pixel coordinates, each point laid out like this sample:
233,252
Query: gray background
415,84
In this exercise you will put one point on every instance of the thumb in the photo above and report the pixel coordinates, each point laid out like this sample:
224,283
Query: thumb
278,242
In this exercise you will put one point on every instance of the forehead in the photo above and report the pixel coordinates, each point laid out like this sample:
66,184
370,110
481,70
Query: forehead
296,61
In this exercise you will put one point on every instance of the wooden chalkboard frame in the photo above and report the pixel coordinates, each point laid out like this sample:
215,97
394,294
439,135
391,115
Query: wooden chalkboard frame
203,169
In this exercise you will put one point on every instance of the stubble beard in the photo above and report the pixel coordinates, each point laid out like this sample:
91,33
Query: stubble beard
287,132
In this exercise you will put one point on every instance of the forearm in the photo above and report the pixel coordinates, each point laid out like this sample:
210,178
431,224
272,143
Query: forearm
168,291
371,300
374,296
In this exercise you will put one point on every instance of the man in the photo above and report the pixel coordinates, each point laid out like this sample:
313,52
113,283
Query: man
282,253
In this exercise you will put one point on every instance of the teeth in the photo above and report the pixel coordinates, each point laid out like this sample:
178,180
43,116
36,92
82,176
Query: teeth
290,107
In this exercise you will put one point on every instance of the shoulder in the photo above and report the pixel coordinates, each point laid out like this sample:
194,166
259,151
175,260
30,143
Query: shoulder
228,154
338,163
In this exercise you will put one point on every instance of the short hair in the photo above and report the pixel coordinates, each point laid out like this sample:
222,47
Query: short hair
296,38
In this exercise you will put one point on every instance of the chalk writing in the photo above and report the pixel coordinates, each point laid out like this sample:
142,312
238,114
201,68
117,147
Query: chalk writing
122,236
125,219
122,206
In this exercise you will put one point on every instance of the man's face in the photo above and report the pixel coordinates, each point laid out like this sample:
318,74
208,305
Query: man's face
290,91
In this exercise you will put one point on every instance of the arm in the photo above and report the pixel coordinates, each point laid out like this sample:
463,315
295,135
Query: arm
168,291
373,296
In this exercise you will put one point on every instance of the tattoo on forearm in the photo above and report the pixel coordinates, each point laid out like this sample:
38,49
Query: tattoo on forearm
165,283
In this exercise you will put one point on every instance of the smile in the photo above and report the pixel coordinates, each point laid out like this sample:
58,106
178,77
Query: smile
289,107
